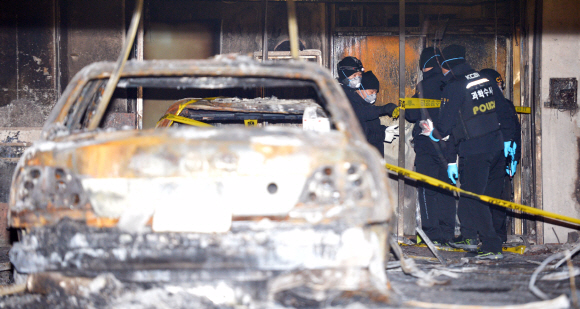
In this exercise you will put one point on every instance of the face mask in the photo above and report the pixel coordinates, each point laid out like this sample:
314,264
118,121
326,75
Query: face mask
355,82
371,98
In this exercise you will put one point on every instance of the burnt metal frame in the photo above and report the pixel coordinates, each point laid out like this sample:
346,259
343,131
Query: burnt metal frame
401,180
265,30
536,126
331,94
285,55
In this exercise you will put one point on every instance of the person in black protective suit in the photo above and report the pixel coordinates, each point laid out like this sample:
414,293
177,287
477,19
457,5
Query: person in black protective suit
362,100
472,109
512,153
437,205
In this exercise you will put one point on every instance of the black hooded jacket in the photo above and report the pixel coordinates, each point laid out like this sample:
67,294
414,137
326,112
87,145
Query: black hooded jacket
368,117
454,96
428,88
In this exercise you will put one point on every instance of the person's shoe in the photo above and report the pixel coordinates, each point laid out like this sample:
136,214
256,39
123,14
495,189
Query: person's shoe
465,244
480,255
440,244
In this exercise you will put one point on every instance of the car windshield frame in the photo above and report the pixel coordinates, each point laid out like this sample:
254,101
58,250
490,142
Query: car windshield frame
225,74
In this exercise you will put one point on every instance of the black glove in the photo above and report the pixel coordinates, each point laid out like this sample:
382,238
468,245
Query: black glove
389,108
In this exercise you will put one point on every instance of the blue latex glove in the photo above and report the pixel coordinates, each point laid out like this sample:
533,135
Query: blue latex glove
433,138
511,170
452,172
509,149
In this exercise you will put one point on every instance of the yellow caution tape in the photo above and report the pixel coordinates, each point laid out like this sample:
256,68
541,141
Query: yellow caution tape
440,248
416,103
437,183
517,249
423,258
182,106
251,122
523,110
184,120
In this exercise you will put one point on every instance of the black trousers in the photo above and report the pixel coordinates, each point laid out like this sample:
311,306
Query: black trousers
437,206
499,214
481,174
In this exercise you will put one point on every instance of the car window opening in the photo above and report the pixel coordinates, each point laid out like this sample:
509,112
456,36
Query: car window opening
243,102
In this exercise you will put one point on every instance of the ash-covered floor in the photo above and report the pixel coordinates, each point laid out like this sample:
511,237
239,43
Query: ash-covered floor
484,283
462,282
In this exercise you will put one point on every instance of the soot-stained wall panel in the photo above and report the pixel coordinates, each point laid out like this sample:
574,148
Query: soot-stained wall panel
242,26
8,35
36,52
242,33
241,22
27,60
94,32
480,51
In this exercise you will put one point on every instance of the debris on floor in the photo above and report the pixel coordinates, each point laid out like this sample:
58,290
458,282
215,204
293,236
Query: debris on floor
463,284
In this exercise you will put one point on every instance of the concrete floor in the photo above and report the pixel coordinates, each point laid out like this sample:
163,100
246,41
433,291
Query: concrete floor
491,283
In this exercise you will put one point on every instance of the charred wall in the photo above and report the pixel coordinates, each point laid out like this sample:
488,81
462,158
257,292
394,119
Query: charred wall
28,83
27,58
43,44
90,31
241,22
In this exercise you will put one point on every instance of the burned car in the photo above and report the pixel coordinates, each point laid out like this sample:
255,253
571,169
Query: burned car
254,210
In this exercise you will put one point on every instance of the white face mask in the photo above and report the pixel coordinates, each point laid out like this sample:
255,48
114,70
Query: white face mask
371,98
354,82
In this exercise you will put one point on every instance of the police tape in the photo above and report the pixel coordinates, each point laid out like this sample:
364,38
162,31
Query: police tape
182,106
438,183
185,120
516,249
523,110
417,103
176,118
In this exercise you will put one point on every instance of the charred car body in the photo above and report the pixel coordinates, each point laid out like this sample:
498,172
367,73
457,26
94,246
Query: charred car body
260,210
